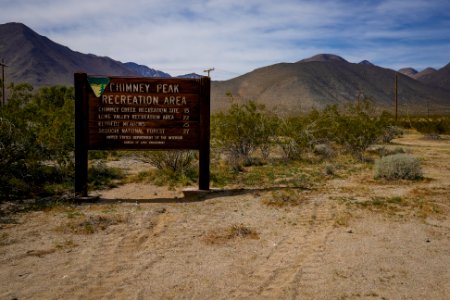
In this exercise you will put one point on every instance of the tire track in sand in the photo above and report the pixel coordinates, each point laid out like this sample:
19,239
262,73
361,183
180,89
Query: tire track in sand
291,266
141,244
113,260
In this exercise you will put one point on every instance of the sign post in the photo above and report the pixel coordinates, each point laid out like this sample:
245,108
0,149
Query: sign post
129,113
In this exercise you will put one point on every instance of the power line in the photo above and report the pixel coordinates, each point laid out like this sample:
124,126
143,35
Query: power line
2,64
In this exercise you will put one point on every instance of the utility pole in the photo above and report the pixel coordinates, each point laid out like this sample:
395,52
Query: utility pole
208,71
396,96
2,64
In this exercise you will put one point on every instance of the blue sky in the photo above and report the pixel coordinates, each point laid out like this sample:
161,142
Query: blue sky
237,36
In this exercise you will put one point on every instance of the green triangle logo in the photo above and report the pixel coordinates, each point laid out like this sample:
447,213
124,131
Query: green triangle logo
98,84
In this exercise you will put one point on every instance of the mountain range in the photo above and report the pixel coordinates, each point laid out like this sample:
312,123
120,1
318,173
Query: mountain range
290,87
328,79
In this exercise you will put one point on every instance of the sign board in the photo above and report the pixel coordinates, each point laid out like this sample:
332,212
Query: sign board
129,113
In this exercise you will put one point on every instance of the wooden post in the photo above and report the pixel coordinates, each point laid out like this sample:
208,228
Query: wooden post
81,135
204,148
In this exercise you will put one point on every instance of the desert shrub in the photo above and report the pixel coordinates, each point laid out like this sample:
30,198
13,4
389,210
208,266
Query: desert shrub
37,140
358,127
398,166
355,126
55,126
383,151
268,126
391,132
325,151
241,130
298,135
176,161
430,126
287,140
100,176
173,168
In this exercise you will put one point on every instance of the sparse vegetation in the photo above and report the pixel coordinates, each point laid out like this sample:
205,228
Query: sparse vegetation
100,176
171,161
282,198
90,224
397,206
430,126
235,231
250,146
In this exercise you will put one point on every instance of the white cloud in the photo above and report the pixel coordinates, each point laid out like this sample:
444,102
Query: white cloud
237,36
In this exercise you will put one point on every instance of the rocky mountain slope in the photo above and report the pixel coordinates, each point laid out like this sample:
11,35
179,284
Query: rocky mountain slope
37,60
328,79
439,78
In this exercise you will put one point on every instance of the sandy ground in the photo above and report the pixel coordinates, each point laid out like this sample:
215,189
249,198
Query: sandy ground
145,242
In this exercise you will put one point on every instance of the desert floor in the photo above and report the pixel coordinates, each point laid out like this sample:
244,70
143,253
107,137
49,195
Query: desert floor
352,238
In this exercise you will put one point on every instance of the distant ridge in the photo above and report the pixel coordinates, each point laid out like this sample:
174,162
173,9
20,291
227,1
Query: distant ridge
439,78
37,60
190,75
366,63
145,71
408,72
424,73
323,58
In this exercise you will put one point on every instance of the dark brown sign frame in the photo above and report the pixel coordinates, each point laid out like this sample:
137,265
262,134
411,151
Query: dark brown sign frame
138,113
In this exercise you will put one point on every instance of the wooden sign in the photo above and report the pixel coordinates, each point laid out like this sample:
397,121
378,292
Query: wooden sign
125,113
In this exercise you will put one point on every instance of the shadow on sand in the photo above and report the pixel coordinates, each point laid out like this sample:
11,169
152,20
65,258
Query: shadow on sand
189,196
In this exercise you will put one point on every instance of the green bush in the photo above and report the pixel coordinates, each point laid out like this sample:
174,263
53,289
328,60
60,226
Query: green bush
398,166
287,138
36,140
358,127
241,130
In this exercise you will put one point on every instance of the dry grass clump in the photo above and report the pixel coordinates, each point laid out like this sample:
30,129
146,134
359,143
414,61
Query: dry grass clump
5,239
283,198
399,206
343,219
66,244
235,231
79,223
